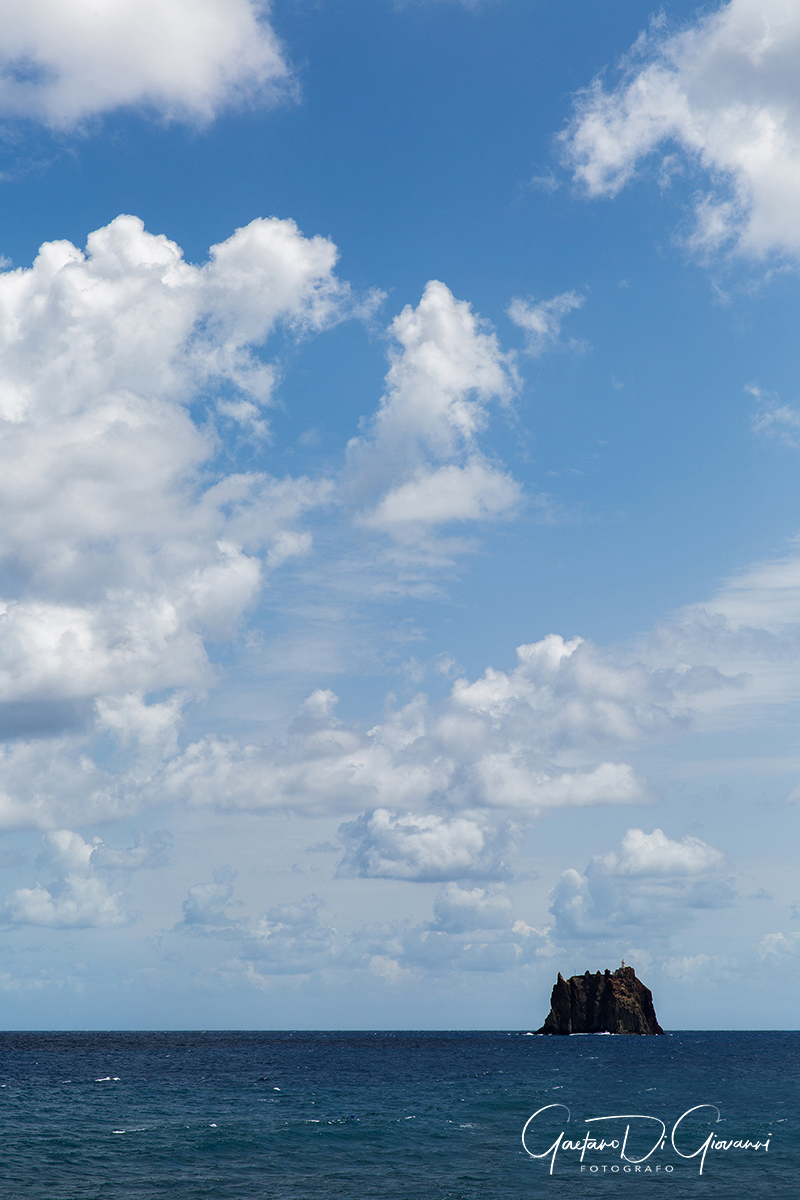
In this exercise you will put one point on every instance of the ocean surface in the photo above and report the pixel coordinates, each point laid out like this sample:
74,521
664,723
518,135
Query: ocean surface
400,1115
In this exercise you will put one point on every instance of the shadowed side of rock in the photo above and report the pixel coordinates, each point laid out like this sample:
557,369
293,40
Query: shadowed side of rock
601,1003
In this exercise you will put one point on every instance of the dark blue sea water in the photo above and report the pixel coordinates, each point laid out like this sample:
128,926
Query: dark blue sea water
400,1115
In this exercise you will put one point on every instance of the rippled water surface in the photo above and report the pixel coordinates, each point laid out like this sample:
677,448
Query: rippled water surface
400,1115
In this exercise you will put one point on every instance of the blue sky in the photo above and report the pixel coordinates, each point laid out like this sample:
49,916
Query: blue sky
400,583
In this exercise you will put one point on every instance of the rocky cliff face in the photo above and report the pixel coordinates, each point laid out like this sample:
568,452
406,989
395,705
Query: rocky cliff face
618,1003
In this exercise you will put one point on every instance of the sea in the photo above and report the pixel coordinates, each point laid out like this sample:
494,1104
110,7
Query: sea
400,1115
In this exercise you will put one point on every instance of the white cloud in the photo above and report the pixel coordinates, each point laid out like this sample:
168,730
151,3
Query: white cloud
773,418
417,463
130,547
472,4
762,599
50,781
750,631
655,854
127,547
148,851
322,766
131,720
292,939
651,883
81,902
457,755
548,733
100,459
387,845
779,945
34,983
69,849
388,969
542,322
780,421
574,693
545,734
64,61
206,902
725,89
495,743
81,896
475,491
696,969
507,781
472,929
124,545
288,939
459,910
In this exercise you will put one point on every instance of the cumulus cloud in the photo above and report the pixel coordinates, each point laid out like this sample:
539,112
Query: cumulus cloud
651,882
579,694
292,939
779,945
124,544
426,848
655,854
322,766
81,896
63,62
124,560
148,851
128,545
459,910
206,902
464,754
542,322
418,464
287,939
551,732
508,781
472,929
494,743
81,902
696,969
545,734
476,491
472,4
723,90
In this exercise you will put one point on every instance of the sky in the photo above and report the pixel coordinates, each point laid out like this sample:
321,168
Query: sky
400,545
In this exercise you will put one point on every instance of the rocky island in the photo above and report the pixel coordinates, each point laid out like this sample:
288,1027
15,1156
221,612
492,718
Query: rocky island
601,1003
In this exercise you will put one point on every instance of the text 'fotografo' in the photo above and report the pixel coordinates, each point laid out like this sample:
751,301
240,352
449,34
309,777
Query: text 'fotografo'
633,1133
